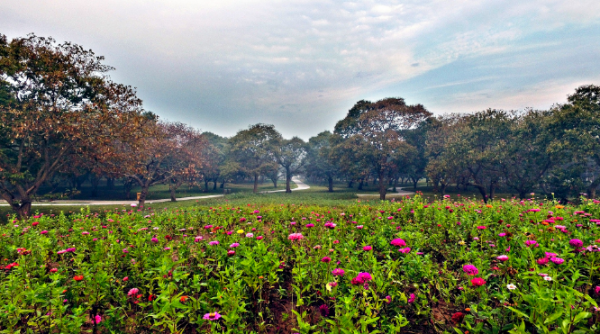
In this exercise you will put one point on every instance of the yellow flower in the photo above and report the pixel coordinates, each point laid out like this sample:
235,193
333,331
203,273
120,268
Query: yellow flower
461,243
240,231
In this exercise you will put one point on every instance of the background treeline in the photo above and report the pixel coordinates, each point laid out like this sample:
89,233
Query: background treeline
64,122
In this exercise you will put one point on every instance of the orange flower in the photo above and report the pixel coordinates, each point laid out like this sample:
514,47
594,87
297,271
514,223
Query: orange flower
183,299
78,278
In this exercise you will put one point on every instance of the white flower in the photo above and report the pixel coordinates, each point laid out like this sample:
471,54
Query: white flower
511,287
547,278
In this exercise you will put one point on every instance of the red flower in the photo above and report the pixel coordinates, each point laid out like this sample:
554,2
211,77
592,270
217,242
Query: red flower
458,317
151,298
78,278
477,281
183,299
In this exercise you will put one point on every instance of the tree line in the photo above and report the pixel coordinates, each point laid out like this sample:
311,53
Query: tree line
62,119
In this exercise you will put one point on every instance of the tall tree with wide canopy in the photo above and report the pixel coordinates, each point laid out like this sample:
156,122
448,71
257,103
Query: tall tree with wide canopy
318,162
576,125
376,134
253,150
290,154
57,103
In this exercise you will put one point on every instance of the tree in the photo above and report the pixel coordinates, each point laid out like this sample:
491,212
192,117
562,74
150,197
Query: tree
254,150
215,156
170,155
290,154
576,126
56,104
318,162
376,135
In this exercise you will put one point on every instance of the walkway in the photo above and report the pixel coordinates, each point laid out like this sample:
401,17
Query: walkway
301,186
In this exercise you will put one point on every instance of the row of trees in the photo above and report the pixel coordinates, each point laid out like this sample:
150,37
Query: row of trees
63,119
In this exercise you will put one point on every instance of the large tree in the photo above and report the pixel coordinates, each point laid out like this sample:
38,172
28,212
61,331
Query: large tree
576,126
290,154
56,103
376,135
253,150
318,162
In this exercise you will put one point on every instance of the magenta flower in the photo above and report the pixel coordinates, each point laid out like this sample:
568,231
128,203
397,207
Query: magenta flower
360,227
481,227
234,245
212,316
133,292
404,250
198,238
367,248
502,258
576,243
310,225
338,272
363,277
531,243
542,261
470,269
44,232
326,259
412,298
155,240
295,236
557,260
213,243
551,255
398,243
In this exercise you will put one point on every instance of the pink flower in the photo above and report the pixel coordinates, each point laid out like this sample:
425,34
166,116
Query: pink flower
481,227
231,252
550,255
97,319
234,245
330,225
412,298
295,236
213,243
260,237
53,270
44,232
326,259
398,243
557,260
542,261
367,248
338,272
502,258
212,316
133,292
502,234
310,225
198,238
470,269
531,243
404,250
360,227
477,281
363,278
576,243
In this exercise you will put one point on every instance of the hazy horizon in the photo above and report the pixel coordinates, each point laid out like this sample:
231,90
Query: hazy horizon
300,65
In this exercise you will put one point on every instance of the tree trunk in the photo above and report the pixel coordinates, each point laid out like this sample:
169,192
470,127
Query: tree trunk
330,181
215,184
94,180
415,181
493,186
482,192
443,186
395,185
128,185
360,185
350,183
205,184
382,189
255,183
144,194
110,183
288,179
274,180
591,190
24,209
522,194
222,184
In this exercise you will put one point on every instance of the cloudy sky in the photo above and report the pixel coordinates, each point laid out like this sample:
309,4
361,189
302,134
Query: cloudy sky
221,65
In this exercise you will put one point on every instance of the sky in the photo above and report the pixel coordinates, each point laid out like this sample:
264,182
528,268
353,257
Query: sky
221,65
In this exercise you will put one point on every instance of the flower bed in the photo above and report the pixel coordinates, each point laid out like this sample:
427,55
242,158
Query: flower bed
400,266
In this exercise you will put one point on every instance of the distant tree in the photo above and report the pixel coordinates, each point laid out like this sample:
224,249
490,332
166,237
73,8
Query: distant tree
215,157
318,161
56,104
290,154
376,135
576,126
253,150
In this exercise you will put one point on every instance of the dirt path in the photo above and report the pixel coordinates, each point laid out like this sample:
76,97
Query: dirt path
301,186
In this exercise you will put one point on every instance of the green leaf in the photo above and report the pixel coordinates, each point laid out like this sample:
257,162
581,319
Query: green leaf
553,317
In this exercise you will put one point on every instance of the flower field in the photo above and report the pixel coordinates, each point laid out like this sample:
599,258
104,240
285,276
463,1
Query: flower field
452,265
